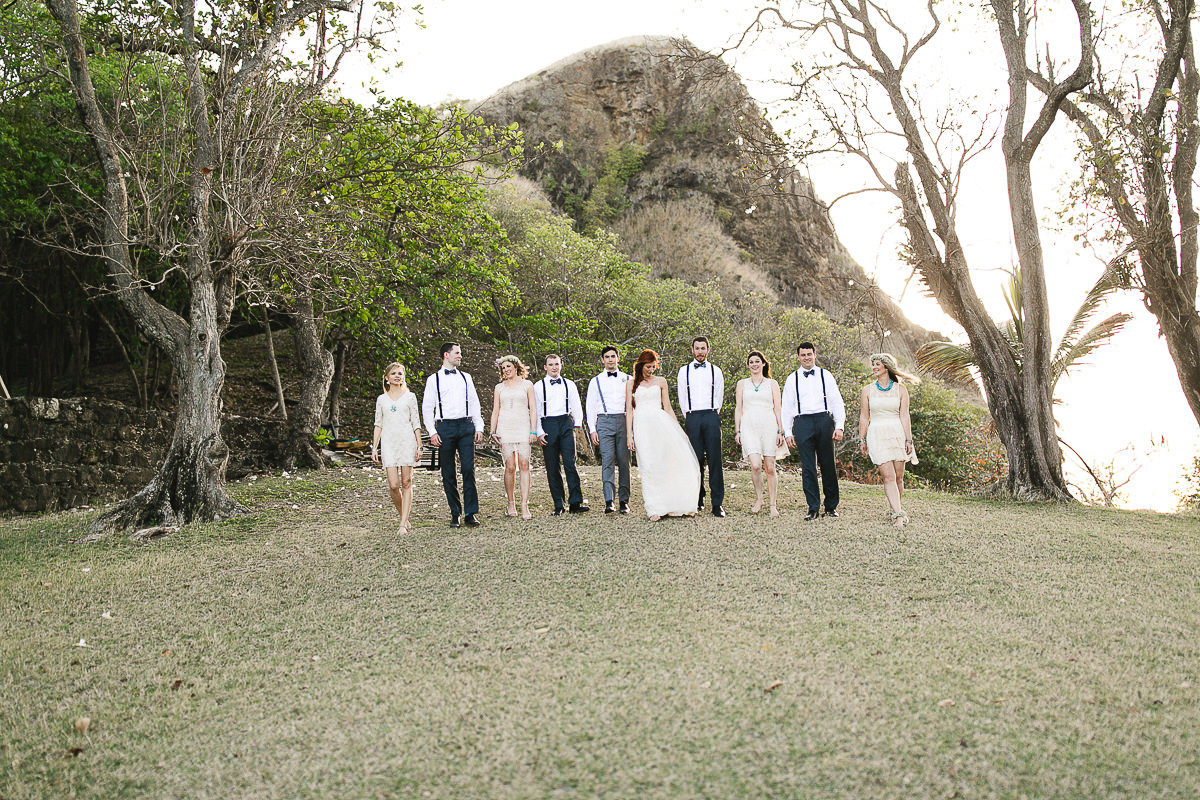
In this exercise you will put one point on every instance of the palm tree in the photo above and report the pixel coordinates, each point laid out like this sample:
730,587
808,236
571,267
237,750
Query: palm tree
953,362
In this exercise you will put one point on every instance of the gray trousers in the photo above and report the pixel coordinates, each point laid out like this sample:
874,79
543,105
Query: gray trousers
614,452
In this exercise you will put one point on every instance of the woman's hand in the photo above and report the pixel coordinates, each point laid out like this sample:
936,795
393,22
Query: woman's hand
737,437
908,447
374,454
779,439
862,446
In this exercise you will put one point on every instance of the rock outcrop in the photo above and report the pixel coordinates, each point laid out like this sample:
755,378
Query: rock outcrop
663,144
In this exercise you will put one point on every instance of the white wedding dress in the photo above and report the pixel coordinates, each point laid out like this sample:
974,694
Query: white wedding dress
666,462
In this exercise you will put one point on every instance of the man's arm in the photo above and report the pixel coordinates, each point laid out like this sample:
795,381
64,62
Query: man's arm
681,389
790,409
428,404
719,378
473,401
837,406
539,408
573,406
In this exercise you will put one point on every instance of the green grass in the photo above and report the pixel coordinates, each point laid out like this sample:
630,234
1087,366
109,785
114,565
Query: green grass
988,650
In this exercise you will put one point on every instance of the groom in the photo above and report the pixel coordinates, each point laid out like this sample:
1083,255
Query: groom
814,414
454,420
701,389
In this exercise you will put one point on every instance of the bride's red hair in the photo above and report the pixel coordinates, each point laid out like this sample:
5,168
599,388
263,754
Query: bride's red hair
647,357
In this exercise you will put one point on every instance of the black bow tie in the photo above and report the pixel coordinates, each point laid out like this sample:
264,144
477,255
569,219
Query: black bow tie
612,374
555,380
808,372
697,366
450,371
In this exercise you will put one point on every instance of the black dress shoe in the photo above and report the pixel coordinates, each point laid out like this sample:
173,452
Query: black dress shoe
831,513
454,522
580,508
624,508
472,521
558,512
811,516
699,506
608,508
718,512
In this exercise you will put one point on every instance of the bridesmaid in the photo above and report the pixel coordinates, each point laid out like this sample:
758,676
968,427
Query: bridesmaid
758,424
398,437
885,430
514,428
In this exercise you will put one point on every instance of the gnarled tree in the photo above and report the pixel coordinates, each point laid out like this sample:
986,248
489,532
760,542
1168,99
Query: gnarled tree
1140,134
183,190
863,93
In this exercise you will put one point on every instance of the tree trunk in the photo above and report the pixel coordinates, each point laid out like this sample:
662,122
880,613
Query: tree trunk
340,354
1173,302
274,362
190,484
316,367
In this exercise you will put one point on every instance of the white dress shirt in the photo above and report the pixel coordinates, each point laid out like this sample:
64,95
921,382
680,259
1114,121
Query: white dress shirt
457,399
701,387
606,395
556,399
803,395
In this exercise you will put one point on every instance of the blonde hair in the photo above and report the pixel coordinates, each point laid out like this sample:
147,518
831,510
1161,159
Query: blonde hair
389,368
894,372
522,370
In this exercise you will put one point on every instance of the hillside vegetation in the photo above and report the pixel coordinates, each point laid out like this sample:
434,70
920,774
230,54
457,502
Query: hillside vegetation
988,650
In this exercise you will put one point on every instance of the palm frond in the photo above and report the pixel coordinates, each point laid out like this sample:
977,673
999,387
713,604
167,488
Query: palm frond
1096,337
1013,297
1109,281
947,361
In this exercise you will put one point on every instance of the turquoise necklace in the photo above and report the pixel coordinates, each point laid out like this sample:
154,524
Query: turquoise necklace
758,385
889,386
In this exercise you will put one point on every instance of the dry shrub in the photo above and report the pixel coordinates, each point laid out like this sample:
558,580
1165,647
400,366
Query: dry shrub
683,239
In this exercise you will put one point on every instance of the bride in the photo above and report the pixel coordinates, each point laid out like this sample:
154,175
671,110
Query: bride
666,462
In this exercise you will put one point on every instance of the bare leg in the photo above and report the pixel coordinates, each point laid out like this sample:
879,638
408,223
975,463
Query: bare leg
526,480
887,471
406,496
756,478
900,478
394,488
510,481
772,484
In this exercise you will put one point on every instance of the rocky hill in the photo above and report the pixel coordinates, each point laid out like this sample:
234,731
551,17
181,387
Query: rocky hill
663,145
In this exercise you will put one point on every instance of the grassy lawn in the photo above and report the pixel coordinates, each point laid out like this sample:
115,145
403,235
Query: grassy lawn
988,650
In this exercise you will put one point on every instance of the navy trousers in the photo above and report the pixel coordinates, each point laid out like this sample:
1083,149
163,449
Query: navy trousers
458,436
814,439
704,431
560,446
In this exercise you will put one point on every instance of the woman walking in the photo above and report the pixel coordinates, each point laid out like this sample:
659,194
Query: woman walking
514,428
885,430
758,424
397,439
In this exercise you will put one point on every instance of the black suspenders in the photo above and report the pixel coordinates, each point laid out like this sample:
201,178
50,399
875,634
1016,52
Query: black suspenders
437,379
824,397
566,397
712,394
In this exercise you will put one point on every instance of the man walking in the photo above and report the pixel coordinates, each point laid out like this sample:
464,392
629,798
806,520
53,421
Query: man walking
454,420
559,413
605,410
701,390
815,415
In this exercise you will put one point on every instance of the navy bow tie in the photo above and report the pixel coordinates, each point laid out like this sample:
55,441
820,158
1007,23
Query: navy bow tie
450,371
555,380
808,372
697,366
612,374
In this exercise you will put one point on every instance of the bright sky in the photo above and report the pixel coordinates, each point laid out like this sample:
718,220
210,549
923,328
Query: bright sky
1128,395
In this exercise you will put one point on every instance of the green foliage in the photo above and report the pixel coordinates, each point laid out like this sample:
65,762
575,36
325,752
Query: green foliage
323,437
1189,493
954,440
954,362
606,202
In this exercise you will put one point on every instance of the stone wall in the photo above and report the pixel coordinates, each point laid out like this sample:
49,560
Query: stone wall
63,453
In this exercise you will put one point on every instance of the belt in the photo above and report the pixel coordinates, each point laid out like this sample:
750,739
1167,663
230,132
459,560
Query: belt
704,411
619,414
453,419
556,416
